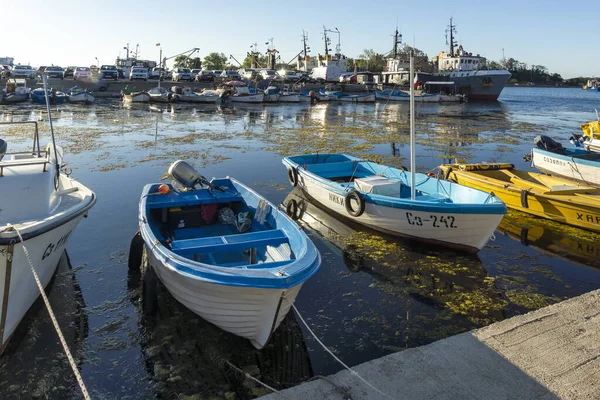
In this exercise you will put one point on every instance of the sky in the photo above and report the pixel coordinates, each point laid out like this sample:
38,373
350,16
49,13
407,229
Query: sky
559,35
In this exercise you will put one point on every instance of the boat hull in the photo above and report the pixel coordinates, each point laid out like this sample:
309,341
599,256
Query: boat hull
271,98
476,85
252,313
474,233
429,98
253,98
136,98
14,98
18,289
198,99
369,98
289,98
53,100
84,97
579,170
524,197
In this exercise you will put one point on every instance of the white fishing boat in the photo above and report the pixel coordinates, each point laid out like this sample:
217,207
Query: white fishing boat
350,97
578,164
238,92
161,95
206,96
41,205
79,95
271,94
313,96
134,96
16,91
398,95
225,252
398,202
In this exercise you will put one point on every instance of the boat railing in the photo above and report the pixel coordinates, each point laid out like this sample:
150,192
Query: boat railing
36,151
36,136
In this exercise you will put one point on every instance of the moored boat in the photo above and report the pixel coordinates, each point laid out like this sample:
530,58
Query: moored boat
313,96
590,139
350,98
132,95
79,95
577,164
225,252
379,197
238,92
399,95
187,95
16,91
271,94
41,206
161,95
54,96
546,196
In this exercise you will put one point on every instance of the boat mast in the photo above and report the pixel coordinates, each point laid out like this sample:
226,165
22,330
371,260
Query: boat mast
412,129
325,38
304,37
396,34
452,30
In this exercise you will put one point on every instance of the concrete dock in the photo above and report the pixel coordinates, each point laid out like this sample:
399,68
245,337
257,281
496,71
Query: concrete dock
551,353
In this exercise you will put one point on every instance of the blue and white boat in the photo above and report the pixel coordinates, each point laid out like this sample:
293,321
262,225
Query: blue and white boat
56,97
225,252
399,95
79,95
350,97
311,95
379,197
577,164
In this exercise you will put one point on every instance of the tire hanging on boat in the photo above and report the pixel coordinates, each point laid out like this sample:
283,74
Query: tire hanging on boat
293,176
353,195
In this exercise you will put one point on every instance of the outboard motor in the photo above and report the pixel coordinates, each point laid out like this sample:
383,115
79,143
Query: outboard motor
187,176
548,144
3,146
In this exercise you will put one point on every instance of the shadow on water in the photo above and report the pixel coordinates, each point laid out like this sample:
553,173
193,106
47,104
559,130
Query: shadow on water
185,355
34,364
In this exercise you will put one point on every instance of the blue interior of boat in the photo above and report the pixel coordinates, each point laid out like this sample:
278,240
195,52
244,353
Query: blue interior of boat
186,222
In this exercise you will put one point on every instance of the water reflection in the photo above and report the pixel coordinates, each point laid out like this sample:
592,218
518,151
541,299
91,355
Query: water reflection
33,364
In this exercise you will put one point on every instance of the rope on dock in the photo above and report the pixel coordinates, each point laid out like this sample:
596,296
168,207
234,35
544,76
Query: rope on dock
247,375
353,372
84,391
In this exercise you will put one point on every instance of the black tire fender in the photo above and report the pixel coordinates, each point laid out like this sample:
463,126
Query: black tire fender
293,176
351,196
292,209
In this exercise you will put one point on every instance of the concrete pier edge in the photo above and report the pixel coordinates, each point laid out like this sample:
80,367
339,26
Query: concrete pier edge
550,353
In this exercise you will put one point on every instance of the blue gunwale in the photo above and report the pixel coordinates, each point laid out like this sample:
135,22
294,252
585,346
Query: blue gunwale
572,155
296,270
494,206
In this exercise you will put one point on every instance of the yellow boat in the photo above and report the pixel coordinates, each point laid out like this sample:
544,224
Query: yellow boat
591,136
546,196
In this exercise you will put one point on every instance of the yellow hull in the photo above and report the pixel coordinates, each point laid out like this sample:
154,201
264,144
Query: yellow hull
546,196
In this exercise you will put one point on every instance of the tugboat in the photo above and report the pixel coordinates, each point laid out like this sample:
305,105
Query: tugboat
468,71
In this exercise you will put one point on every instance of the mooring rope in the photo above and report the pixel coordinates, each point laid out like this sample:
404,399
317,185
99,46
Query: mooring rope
353,372
84,391
247,375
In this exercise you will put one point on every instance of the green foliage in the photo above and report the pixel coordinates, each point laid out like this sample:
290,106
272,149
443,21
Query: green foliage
183,61
371,61
537,74
215,61
261,61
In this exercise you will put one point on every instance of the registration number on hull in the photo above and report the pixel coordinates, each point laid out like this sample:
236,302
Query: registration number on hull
436,221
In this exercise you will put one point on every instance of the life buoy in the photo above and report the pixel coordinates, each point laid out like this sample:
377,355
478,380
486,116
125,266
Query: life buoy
293,176
292,210
354,196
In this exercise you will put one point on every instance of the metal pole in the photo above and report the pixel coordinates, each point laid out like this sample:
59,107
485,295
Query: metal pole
412,129
44,79
160,64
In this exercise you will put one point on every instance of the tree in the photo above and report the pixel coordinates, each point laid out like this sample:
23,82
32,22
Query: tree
260,59
215,61
371,60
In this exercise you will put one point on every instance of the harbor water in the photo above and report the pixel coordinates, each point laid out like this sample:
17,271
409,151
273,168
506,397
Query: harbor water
373,294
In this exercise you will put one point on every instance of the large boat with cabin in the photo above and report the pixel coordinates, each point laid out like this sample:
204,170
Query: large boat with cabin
330,67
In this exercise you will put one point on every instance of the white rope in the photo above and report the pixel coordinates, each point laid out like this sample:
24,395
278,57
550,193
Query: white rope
53,318
247,375
334,356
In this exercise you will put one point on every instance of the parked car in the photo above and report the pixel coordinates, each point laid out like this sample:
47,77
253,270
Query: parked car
248,73
268,74
109,72
195,72
55,72
230,74
157,73
82,73
23,71
217,72
138,73
348,77
182,74
69,71
4,71
205,76
289,75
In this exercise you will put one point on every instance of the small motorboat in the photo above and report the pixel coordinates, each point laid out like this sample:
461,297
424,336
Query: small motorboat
225,252
399,95
350,97
132,95
238,92
16,91
590,139
206,96
546,196
313,96
576,164
271,94
161,95
41,205
54,96
79,95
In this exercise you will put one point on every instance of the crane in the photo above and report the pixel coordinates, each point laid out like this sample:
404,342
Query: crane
191,52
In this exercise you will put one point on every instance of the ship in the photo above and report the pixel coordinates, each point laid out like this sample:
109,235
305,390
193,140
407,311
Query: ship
329,68
466,70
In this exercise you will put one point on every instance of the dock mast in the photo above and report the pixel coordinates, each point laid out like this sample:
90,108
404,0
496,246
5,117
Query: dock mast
452,30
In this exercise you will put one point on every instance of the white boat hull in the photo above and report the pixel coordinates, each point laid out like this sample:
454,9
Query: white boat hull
253,98
418,99
474,231
136,98
253,313
18,289
84,97
289,98
355,99
198,98
567,167
158,98
271,98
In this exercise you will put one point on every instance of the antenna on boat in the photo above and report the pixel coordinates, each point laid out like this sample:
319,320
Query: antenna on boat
45,80
412,128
